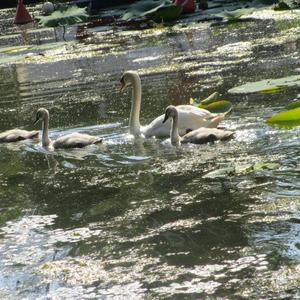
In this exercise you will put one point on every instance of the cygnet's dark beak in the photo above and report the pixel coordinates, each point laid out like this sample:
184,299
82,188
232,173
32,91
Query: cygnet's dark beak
36,120
123,85
166,117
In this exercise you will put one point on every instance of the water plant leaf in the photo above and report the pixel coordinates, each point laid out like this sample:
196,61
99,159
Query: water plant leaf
235,15
65,16
293,105
8,50
220,173
167,13
241,170
210,99
266,85
217,107
265,166
288,118
154,9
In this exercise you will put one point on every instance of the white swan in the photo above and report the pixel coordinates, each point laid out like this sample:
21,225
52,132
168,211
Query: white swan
198,136
72,140
189,117
14,135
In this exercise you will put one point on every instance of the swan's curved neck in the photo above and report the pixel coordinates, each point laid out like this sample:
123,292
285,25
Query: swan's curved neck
45,138
134,121
175,137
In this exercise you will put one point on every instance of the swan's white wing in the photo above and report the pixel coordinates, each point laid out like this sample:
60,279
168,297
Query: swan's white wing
189,117
194,112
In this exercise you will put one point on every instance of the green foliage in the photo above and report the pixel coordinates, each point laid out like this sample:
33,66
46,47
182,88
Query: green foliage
235,15
63,17
212,104
267,85
293,105
288,118
218,106
157,10
236,170
210,99
286,5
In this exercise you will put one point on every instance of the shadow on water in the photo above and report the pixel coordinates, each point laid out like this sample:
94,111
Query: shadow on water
140,218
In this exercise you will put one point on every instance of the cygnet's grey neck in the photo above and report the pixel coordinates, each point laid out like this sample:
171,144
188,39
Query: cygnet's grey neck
45,137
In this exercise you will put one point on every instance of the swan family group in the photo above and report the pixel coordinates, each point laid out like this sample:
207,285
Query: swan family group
183,123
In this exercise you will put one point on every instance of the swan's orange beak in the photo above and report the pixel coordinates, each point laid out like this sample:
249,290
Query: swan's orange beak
123,85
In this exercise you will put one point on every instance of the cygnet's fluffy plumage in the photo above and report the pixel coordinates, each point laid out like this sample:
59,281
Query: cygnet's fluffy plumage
199,136
14,135
72,140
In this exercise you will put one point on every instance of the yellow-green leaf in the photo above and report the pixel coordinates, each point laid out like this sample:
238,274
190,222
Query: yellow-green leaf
288,118
217,107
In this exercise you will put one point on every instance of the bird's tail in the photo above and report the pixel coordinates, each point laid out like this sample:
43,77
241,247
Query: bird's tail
34,134
98,141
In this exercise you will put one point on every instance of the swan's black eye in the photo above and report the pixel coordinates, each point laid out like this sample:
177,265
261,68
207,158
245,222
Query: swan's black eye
122,80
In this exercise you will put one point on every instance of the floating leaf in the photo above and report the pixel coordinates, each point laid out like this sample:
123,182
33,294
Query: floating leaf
282,5
288,118
212,98
241,169
65,16
274,89
156,9
167,13
220,173
293,105
266,85
265,166
217,107
13,49
235,15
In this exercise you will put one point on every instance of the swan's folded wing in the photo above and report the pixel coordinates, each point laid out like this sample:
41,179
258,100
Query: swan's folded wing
194,112
189,117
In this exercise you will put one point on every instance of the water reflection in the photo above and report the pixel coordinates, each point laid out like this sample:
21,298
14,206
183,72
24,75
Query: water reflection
139,218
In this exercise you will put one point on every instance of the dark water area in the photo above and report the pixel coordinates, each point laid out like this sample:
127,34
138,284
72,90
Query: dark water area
140,219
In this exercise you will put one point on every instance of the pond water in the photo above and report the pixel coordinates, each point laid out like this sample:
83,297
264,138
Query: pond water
140,219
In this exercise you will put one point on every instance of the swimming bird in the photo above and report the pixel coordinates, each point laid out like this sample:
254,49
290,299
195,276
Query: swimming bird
198,136
15,135
72,140
189,117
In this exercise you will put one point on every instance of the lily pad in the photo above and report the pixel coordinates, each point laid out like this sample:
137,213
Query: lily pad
265,166
235,15
157,10
267,85
65,16
217,107
9,50
288,118
293,105
241,169
220,173
210,99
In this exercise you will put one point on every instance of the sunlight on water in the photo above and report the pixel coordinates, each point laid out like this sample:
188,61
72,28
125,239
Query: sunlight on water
139,218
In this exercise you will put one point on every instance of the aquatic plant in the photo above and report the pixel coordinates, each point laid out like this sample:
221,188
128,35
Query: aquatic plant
289,118
161,10
267,85
65,16
213,104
